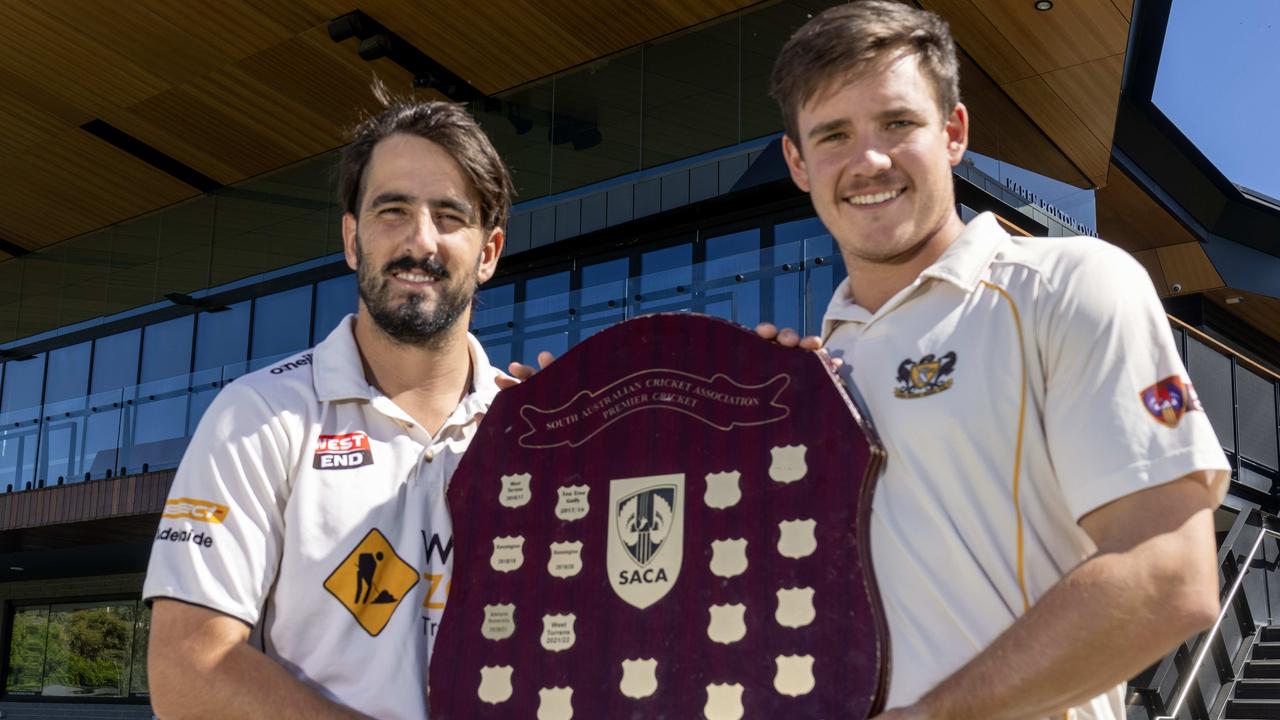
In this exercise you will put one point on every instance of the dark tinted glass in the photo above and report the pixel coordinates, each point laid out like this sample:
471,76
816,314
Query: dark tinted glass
335,298
281,325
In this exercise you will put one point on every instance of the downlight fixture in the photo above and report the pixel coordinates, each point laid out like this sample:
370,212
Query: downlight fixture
1044,5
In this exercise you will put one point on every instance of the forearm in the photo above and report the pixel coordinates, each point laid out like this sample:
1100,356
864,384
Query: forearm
1104,622
200,666
242,682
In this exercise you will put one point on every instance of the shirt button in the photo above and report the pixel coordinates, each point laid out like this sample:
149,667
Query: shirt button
429,455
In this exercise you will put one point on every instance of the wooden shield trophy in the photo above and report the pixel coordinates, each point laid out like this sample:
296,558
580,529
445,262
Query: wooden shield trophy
668,522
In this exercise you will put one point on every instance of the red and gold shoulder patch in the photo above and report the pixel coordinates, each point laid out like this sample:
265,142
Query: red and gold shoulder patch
1169,399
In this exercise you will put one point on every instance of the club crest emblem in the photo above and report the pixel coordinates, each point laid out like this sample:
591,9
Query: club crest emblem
1170,399
928,376
646,537
639,678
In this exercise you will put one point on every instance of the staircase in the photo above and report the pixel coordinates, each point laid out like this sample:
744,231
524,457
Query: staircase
1231,671
1255,692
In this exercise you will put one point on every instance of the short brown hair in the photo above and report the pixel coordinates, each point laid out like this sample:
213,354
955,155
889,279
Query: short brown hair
446,124
848,39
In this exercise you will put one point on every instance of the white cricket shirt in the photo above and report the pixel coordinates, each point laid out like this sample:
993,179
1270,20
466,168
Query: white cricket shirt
312,507
1018,384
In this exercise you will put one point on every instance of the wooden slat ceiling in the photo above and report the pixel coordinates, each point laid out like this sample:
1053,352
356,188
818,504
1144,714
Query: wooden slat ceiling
1062,67
235,88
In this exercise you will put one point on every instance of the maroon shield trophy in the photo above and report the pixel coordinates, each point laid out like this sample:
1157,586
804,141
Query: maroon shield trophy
668,522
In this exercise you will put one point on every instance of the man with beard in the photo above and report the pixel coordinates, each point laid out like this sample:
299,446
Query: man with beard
303,558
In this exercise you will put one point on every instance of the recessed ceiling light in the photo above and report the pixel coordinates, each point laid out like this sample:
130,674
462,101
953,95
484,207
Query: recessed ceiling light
1235,299
1043,5
15,568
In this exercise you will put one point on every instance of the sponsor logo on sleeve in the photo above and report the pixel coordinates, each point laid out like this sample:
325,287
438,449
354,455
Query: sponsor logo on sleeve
1169,399
342,452
178,535
185,508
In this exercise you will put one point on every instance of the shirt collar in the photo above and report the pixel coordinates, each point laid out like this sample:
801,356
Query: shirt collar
962,264
965,262
339,372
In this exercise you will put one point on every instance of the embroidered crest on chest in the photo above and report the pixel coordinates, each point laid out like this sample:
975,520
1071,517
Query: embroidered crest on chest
927,376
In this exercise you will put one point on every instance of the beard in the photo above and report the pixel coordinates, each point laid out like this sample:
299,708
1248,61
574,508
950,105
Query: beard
413,320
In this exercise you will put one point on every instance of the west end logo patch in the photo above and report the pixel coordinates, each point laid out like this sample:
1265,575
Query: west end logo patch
646,537
371,581
924,377
1170,399
342,452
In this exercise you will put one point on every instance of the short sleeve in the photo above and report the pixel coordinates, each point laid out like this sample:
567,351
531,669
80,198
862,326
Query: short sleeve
1120,413
219,539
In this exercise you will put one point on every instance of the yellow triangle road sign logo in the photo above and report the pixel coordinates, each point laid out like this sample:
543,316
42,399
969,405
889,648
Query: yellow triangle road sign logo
371,581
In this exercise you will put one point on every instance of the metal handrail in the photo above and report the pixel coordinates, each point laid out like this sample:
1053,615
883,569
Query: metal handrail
1203,652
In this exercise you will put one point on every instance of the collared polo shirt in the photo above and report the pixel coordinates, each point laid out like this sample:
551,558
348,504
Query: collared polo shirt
310,506
1018,384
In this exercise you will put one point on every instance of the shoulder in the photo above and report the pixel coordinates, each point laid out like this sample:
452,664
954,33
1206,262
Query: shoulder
1063,262
285,387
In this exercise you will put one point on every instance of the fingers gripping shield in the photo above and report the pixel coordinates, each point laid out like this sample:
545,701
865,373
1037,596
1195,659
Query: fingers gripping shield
658,533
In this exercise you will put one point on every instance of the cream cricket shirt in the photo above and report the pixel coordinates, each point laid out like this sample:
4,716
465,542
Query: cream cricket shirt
312,507
1017,384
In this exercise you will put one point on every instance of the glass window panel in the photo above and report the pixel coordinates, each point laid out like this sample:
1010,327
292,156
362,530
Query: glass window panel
666,279
156,413
86,263
824,266
335,299
88,650
115,367
493,316
27,650
272,221
764,32
691,93
595,133
723,295
41,283
138,683
166,349
10,298
65,402
115,361
19,420
222,338
185,240
280,325
603,298
545,324
134,246
519,126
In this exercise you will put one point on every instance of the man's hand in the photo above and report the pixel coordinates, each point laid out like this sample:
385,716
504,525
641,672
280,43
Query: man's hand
788,337
521,372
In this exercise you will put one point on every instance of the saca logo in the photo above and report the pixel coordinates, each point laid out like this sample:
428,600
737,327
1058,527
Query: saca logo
195,509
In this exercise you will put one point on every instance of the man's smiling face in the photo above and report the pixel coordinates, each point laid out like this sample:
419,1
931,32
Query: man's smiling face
418,246
875,156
